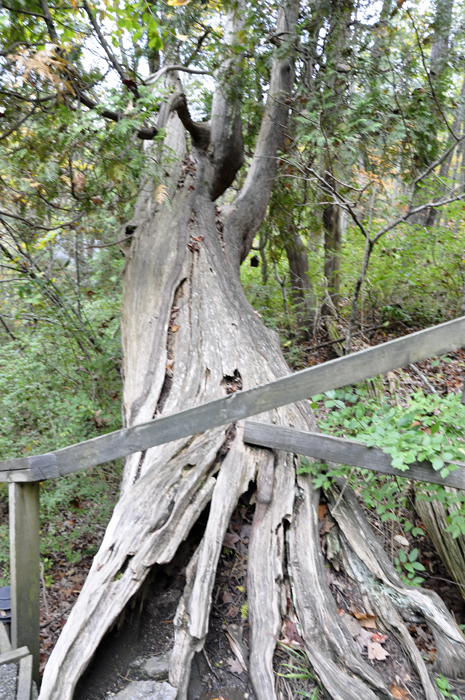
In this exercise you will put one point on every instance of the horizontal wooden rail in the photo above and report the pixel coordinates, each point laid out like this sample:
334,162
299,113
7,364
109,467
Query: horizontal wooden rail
343,451
10,657
343,371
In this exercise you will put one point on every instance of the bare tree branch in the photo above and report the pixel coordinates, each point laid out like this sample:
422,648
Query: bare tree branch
111,56
166,69
249,207
22,12
49,22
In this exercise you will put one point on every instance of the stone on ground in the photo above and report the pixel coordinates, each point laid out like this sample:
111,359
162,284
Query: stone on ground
147,690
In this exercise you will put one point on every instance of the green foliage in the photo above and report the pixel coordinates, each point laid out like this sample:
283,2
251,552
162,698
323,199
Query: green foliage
428,428
408,566
300,670
444,687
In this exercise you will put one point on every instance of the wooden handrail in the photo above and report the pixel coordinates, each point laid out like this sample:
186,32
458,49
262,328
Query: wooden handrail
334,374
330,448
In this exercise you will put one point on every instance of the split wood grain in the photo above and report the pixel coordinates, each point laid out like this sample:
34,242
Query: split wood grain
334,374
343,451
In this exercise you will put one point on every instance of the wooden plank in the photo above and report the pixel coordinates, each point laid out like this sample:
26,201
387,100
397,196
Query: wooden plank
25,569
330,375
342,451
20,476
4,639
10,657
25,678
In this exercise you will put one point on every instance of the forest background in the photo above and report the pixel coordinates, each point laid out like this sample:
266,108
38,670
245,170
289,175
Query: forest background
363,238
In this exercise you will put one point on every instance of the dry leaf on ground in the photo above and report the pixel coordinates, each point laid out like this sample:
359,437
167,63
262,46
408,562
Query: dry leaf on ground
376,651
399,693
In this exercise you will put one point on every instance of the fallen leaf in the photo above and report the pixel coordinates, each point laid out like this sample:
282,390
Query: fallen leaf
227,597
290,633
364,638
322,510
366,620
96,200
174,329
234,637
377,637
230,540
352,625
376,651
402,540
398,693
325,526
97,419
234,666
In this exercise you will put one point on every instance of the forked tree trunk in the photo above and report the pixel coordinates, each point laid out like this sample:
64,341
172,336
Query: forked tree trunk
189,336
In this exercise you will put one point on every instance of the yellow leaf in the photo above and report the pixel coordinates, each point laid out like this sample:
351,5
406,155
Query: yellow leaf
177,3
161,194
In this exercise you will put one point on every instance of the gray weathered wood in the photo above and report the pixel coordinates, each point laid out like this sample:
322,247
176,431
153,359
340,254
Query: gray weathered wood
4,640
25,569
10,657
25,678
343,451
343,371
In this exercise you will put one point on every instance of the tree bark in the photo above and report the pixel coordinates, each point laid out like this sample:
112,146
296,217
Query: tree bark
302,292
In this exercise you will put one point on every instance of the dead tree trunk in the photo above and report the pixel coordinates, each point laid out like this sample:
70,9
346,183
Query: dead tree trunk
187,331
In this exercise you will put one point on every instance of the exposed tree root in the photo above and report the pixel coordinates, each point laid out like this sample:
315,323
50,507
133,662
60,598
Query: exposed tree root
191,621
265,571
450,549
370,567
328,644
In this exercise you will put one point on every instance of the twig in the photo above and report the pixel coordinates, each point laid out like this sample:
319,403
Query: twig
209,665
333,510
423,378
340,340
156,76
57,617
107,245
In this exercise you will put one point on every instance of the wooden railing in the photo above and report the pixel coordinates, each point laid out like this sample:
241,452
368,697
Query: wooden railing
25,473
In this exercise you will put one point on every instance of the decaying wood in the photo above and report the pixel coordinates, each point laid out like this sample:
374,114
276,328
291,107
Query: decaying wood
265,571
191,621
450,549
412,603
329,647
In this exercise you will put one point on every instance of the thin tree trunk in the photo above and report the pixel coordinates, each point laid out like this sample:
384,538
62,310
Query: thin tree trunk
302,292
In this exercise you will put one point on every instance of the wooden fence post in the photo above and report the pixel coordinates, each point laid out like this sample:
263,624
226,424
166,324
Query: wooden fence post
25,568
